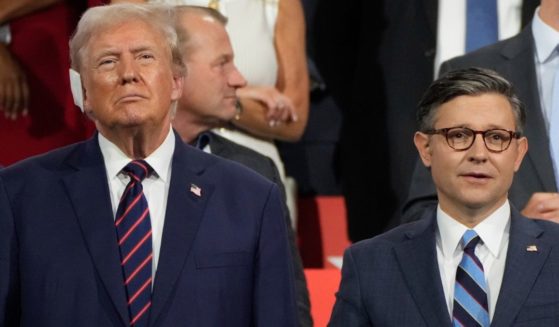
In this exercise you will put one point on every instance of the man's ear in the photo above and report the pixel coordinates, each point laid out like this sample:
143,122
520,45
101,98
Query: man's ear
77,89
176,91
87,106
521,152
87,109
421,141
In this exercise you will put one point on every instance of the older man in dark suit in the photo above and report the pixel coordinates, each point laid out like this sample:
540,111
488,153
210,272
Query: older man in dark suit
475,260
133,227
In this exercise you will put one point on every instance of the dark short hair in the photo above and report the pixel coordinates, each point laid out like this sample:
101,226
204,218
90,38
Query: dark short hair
470,81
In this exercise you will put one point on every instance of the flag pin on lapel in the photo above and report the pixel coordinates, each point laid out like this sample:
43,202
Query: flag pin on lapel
195,189
532,248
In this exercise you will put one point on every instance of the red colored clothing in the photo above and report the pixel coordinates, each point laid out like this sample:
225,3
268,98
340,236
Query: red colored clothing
40,45
93,3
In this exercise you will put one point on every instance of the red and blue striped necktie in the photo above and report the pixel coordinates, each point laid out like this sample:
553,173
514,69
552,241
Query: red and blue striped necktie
133,228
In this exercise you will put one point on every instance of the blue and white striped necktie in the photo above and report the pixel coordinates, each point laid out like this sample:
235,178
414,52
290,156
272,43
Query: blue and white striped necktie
470,291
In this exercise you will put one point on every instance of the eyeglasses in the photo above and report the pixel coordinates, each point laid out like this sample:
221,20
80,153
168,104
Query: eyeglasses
462,138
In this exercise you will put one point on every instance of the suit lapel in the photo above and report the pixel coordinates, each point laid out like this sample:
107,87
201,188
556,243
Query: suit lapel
89,193
520,67
521,270
184,213
418,262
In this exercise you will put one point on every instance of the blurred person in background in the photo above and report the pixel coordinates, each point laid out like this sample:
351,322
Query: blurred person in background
37,112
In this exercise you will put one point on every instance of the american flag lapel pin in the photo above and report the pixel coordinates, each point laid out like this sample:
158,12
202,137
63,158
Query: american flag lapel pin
532,248
195,189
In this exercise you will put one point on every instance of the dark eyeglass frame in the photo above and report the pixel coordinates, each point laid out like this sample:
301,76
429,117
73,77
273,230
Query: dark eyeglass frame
445,131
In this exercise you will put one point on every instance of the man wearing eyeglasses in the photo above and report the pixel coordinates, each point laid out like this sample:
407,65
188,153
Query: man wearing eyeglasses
475,260
530,61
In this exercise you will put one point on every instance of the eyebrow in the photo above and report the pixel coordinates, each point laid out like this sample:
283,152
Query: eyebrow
491,126
142,48
225,56
115,52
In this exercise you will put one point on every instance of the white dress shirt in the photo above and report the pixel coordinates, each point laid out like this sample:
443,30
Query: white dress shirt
491,251
546,59
451,26
156,186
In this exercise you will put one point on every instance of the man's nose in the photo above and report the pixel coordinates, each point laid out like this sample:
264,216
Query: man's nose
478,150
128,71
236,79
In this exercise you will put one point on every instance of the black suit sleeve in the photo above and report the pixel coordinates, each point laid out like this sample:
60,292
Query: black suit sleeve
9,280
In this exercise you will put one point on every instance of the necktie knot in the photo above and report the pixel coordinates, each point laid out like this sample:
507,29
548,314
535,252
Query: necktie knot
469,240
138,170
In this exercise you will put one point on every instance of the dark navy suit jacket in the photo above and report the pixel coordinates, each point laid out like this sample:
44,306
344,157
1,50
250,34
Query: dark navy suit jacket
224,257
394,279
265,166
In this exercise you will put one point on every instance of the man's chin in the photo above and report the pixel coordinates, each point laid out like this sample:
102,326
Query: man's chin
480,203
229,114
129,122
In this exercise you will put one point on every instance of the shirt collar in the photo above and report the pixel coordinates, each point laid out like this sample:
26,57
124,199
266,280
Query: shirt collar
491,230
546,38
160,159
